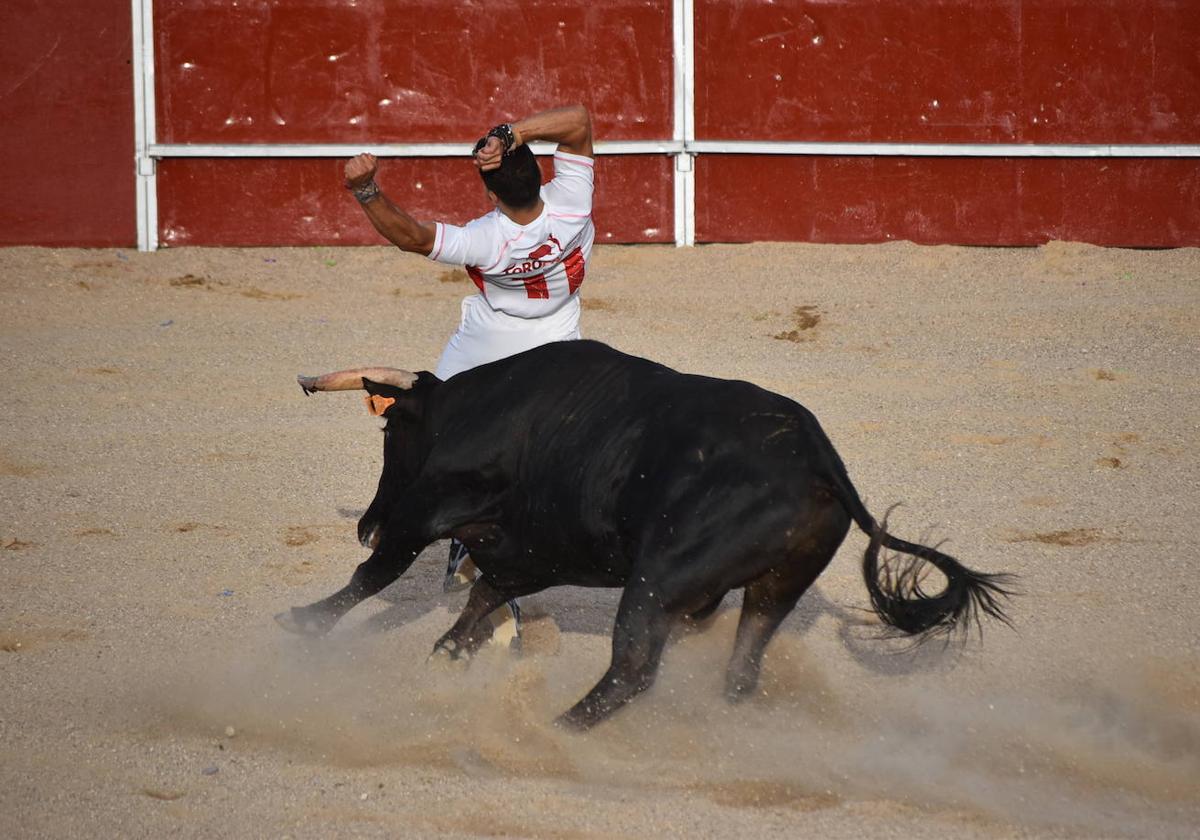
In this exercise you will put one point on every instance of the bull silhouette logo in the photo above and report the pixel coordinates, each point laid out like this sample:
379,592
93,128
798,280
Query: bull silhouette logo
544,250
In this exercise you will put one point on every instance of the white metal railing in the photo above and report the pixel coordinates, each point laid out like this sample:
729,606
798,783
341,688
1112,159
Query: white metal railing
683,145
1026,150
285,150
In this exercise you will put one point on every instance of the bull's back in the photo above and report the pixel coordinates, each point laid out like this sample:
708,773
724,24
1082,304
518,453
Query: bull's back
598,441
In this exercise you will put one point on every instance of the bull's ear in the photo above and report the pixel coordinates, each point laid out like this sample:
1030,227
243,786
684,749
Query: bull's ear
384,400
379,397
377,406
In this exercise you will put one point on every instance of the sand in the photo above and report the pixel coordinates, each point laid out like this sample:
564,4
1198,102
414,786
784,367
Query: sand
165,488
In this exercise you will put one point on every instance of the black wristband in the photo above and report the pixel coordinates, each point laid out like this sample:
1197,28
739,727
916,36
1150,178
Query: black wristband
504,132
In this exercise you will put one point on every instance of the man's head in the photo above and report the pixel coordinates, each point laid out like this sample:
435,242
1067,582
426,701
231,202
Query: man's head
517,181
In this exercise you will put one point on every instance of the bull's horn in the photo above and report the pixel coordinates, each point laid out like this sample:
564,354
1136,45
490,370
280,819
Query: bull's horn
352,380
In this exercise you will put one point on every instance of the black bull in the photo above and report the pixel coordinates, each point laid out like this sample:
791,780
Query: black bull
575,464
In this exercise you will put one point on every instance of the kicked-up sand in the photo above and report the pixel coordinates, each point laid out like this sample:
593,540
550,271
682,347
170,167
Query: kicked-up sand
165,489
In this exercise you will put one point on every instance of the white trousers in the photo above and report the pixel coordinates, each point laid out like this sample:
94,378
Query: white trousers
485,335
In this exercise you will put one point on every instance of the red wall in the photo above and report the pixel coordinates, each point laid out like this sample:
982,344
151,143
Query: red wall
1151,202
394,72
302,201
949,71
66,104
380,71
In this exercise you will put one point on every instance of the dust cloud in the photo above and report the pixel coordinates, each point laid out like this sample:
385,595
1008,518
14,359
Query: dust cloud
819,733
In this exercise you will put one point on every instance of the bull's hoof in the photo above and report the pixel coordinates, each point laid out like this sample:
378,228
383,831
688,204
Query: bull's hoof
737,693
370,528
740,687
449,652
578,718
303,622
368,537
573,723
741,683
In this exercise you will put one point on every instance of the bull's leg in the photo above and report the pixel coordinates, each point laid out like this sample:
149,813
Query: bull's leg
641,631
372,576
767,602
370,524
703,618
770,597
403,539
472,628
796,550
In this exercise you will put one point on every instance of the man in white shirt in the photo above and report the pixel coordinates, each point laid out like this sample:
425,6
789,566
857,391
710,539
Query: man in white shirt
527,257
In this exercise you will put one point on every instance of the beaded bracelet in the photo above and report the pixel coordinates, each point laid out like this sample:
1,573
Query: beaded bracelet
367,192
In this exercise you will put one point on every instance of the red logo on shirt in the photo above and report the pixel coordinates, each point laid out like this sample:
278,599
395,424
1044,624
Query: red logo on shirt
548,252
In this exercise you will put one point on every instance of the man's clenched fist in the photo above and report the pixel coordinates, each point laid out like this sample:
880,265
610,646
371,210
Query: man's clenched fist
360,171
489,155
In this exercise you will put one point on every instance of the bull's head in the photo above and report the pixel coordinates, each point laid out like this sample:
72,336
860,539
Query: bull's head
399,397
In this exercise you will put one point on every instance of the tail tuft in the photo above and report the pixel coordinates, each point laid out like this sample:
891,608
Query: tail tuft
897,588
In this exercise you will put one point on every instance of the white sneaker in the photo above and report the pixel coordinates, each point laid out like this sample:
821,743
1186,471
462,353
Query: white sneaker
460,571
506,626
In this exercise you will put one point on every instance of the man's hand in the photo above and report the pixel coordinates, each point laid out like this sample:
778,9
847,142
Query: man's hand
360,171
488,158
399,228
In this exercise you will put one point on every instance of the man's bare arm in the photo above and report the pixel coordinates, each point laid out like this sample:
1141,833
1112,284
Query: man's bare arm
570,127
395,225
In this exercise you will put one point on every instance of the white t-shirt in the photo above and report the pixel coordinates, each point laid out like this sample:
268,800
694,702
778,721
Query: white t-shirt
533,270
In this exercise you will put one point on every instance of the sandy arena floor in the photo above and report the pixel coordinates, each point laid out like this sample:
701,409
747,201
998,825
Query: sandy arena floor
165,488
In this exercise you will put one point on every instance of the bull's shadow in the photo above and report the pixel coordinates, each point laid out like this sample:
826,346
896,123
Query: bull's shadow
419,592
591,612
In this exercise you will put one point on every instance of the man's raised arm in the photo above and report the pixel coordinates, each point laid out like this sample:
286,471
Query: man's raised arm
570,127
399,228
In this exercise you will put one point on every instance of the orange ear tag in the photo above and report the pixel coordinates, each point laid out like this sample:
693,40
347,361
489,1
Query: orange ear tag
376,404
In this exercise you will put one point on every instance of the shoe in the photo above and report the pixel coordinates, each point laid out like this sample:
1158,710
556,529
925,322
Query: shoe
460,571
506,626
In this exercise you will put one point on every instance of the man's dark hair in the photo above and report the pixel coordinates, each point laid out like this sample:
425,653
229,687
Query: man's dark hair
517,181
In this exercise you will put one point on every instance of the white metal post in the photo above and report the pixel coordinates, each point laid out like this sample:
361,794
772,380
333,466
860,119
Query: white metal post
145,169
684,131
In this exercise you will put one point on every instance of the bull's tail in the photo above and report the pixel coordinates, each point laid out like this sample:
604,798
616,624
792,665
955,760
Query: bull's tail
896,589
896,584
